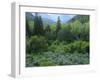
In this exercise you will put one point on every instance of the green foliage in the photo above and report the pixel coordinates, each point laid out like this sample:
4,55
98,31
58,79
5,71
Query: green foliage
53,27
80,31
53,59
58,26
77,46
66,26
28,33
65,35
38,25
28,48
50,35
76,28
31,26
47,29
41,30
37,44
84,35
29,60
46,62
52,44
82,18
57,46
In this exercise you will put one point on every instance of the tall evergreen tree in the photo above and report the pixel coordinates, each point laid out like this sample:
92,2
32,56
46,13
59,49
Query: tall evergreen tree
28,32
47,29
58,26
38,25
41,30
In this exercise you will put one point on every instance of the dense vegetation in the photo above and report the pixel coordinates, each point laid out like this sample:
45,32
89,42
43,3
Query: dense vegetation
57,43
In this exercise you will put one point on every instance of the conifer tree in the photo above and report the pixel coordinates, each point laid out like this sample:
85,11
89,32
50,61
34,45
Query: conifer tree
41,30
58,26
47,29
38,25
28,33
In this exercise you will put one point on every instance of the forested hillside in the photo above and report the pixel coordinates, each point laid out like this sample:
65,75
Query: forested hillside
50,43
81,18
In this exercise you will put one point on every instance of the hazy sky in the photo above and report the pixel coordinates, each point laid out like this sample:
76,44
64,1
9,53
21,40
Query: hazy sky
63,17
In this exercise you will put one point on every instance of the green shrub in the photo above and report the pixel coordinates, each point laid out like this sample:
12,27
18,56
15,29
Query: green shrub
84,35
46,62
56,46
79,30
29,60
65,35
37,44
56,58
77,46
50,35
28,48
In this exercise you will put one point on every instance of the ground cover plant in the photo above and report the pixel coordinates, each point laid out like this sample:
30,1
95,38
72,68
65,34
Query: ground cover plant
56,39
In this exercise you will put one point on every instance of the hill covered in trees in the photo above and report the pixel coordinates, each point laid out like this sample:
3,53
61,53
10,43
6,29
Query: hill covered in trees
56,43
82,18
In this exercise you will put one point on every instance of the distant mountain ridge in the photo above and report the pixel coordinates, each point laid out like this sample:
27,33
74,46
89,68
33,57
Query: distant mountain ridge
81,18
52,18
45,18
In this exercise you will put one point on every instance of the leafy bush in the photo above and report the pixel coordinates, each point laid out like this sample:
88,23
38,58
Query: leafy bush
79,30
77,46
37,44
28,49
47,62
53,59
84,35
29,60
50,35
56,46
65,35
